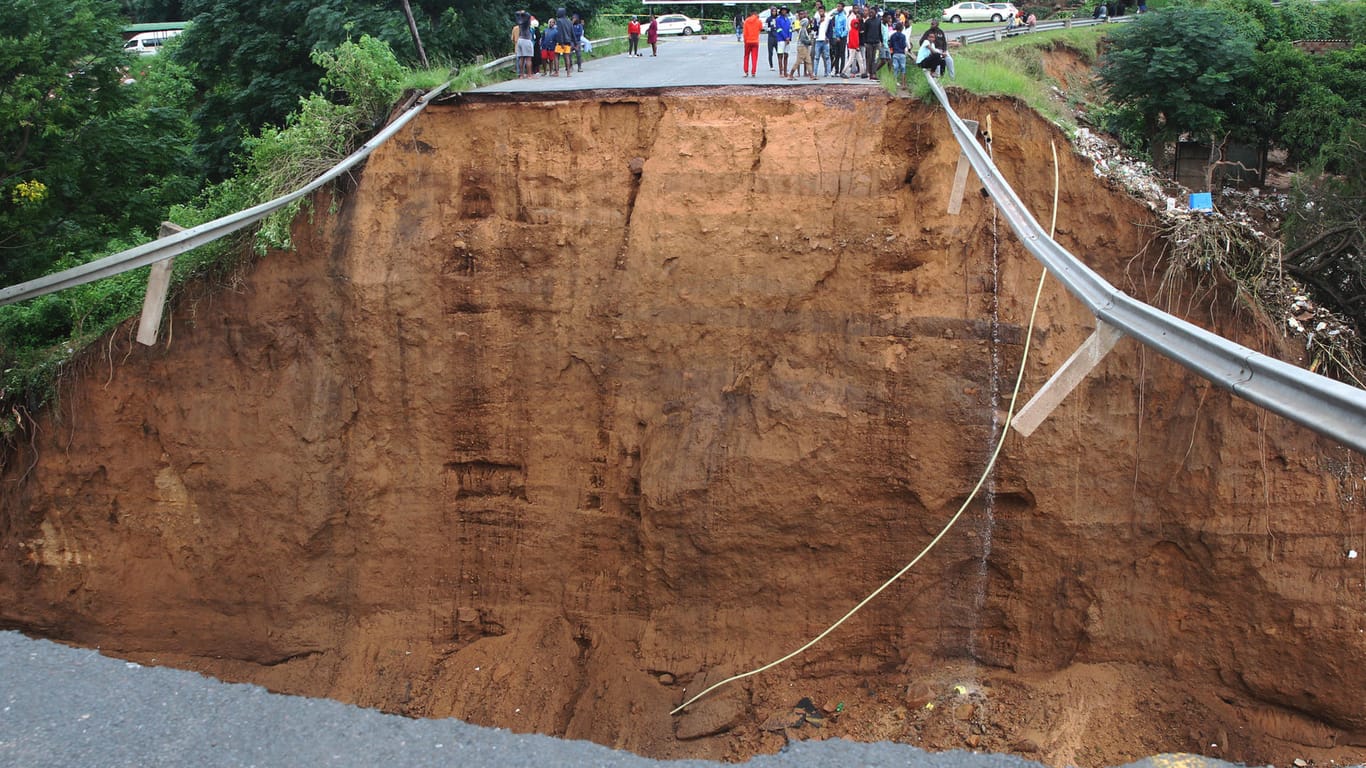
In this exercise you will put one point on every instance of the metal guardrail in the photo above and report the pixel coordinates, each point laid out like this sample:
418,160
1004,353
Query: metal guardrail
1328,407
182,242
1000,33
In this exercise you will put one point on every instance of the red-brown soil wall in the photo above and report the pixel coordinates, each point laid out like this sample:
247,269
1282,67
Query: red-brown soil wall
572,407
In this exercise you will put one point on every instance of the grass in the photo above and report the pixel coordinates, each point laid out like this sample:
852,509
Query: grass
1014,68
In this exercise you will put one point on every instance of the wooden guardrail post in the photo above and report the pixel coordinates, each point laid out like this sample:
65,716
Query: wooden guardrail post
1066,378
960,176
158,283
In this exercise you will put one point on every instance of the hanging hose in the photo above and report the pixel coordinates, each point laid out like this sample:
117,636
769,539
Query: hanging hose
986,472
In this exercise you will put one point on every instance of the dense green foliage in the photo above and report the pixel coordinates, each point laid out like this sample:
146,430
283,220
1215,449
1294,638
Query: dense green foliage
1229,70
1176,72
1015,67
362,80
252,59
141,11
61,106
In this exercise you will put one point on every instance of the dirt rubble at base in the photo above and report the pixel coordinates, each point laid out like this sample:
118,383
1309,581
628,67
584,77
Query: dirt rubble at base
572,408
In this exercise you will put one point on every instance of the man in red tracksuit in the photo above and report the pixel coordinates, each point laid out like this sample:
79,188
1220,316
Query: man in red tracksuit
752,29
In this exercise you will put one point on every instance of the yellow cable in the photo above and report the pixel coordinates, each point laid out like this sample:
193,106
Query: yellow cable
991,463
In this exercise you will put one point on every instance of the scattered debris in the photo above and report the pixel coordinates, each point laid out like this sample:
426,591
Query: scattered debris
781,721
1230,242
804,713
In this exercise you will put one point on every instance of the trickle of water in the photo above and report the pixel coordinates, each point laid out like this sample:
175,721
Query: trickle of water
987,522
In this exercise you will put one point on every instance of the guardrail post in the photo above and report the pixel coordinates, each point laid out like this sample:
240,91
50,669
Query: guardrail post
1066,23
1072,372
158,283
960,176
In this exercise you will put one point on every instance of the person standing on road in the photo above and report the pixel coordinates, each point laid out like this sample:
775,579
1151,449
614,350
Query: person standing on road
871,36
771,29
633,37
854,52
897,44
753,27
578,41
884,51
805,42
548,53
564,41
526,48
784,28
739,21
652,35
822,50
839,36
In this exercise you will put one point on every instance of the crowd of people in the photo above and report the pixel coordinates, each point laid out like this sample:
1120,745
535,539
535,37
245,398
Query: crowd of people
852,41
548,49
1020,21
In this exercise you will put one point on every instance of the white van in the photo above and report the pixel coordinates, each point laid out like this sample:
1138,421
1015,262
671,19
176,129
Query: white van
148,43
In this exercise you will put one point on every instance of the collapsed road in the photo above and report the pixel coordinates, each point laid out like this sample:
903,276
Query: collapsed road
572,407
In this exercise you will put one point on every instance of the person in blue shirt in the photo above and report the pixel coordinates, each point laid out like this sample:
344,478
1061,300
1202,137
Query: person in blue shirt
548,42
839,38
897,42
783,31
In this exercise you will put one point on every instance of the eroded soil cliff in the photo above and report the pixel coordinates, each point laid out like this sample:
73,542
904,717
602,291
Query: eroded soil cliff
573,407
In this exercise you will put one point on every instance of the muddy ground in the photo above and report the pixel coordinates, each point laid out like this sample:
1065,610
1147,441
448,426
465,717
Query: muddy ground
568,409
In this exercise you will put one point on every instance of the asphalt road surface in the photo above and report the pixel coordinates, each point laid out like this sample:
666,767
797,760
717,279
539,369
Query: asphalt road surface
682,62
62,706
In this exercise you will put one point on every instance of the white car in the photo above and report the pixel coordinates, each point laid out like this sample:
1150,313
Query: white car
972,11
678,24
149,43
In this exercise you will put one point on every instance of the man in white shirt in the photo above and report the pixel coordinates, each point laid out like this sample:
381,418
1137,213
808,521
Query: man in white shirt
822,51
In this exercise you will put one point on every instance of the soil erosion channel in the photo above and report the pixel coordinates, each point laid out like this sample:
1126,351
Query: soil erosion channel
572,407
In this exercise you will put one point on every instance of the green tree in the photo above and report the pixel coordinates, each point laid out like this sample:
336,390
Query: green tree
96,149
1303,102
252,58
59,73
1176,71
140,11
